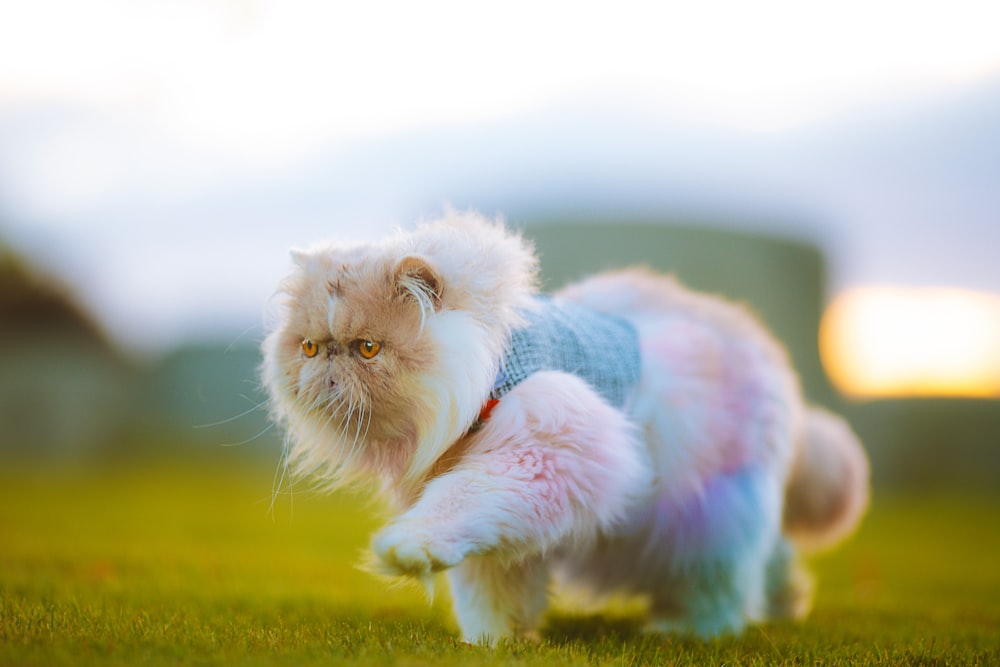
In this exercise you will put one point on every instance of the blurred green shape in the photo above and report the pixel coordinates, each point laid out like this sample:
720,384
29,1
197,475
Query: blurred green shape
782,280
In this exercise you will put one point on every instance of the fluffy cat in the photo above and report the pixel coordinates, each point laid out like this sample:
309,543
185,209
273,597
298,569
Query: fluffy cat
692,482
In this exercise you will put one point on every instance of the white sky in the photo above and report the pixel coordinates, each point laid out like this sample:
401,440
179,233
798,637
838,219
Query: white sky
190,95
270,79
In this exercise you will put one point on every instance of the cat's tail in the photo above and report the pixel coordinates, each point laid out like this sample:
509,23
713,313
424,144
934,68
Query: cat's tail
827,491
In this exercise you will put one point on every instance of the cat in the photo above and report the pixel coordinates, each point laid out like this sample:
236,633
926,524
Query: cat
625,435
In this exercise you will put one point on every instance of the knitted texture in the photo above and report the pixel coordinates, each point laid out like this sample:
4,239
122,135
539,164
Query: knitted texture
601,349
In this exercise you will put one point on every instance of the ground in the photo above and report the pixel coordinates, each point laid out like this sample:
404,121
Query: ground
185,563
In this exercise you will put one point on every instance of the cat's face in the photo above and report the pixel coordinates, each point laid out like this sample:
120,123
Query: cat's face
385,351
351,348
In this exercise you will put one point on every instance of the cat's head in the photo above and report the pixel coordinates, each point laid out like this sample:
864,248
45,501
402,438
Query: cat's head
384,352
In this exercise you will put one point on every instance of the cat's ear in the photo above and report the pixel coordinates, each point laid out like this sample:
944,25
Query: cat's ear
299,257
415,277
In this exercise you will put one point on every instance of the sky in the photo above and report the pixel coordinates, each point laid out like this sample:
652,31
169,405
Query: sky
162,156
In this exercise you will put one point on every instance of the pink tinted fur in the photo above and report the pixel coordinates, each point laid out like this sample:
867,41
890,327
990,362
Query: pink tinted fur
719,409
677,497
530,484
691,516
530,481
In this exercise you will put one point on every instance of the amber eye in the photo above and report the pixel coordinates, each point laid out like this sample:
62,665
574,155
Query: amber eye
309,348
368,348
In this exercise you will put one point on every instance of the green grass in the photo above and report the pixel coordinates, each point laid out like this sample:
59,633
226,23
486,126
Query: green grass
175,564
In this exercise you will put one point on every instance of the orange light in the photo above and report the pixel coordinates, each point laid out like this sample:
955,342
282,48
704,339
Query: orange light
895,342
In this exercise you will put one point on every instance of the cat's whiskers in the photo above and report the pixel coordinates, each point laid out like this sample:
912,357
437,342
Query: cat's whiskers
247,441
228,420
360,413
338,419
316,404
335,411
368,425
339,405
279,479
353,414
319,404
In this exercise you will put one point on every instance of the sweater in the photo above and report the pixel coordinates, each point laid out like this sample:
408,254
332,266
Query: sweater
599,348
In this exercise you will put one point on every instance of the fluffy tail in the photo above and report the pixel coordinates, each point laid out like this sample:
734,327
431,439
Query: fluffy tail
827,491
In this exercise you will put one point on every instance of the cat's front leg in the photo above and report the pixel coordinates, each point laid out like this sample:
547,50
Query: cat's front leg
494,599
420,543
466,512
555,462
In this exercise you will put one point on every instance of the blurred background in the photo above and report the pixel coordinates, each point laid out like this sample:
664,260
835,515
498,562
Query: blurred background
838,168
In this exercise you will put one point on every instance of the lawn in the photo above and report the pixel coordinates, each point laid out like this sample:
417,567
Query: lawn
185,564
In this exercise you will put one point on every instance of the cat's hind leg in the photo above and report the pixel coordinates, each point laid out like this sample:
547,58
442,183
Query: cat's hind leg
789,585
719,552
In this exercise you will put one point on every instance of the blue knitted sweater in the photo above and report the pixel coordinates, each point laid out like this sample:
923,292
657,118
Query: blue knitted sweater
601,349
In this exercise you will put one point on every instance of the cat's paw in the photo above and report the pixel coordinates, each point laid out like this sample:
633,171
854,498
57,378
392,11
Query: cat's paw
410,548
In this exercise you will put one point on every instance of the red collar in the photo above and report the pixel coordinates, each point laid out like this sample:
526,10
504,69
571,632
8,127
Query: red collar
484,414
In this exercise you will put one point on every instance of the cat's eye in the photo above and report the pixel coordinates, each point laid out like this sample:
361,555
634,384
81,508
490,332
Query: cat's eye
309,348
368,348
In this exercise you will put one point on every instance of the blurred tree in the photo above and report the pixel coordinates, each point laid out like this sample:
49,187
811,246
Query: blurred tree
33,303
64,389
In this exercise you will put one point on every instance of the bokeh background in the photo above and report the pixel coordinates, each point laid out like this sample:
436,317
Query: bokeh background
836,168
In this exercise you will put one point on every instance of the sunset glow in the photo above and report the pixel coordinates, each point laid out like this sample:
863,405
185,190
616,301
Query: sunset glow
892,342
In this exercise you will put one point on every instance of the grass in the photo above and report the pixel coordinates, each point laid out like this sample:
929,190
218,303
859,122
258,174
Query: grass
172,564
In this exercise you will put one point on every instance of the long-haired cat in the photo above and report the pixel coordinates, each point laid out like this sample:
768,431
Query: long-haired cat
625,435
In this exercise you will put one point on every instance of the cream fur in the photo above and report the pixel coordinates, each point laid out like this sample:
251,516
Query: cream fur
681,497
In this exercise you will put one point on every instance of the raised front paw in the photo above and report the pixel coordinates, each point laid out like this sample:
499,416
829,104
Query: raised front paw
409,548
